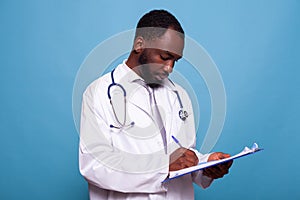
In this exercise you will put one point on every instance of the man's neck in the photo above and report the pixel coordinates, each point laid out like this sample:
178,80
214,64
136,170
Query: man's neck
132,63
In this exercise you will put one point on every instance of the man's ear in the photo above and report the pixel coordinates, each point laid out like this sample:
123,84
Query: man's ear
139,44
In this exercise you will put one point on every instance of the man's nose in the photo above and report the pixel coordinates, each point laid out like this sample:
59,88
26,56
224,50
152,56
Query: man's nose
169,67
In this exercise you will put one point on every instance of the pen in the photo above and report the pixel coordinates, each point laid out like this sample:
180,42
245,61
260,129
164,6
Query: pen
175,139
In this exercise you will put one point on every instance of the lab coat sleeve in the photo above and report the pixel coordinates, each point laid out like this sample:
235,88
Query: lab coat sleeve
198,178
101,164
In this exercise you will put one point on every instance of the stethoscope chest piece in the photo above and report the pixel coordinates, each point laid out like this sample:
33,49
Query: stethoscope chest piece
183,115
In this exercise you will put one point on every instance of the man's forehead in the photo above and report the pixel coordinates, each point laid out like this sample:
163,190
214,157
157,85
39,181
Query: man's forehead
171,41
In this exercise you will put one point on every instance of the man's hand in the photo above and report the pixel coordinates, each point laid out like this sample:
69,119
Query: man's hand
220,170
182,158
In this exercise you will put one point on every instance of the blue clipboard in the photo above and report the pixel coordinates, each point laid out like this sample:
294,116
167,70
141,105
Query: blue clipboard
247,151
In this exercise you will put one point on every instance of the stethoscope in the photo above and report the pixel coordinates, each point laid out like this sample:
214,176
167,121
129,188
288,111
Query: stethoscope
182,113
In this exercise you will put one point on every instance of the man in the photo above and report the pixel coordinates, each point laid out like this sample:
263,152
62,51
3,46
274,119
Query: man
130,141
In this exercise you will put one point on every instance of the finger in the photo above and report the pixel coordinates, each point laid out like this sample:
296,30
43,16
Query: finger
217,171
215,156
225,155
226,165
182,150
189,153
229,163
210,171
213,174
214,171
174,167
193,159
188,162
177,154
222,167
221,170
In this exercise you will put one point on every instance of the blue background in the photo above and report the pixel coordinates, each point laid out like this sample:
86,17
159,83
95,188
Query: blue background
254,43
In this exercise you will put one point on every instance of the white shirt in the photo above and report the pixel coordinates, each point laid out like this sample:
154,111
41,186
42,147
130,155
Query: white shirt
130,163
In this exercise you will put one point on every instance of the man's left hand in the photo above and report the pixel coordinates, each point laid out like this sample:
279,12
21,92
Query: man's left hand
219,170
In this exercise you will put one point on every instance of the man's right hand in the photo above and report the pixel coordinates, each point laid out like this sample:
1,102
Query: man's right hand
182,158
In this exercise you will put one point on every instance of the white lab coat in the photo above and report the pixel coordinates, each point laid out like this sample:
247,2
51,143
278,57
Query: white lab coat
130,163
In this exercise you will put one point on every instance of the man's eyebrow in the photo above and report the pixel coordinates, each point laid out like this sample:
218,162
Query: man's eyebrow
172,55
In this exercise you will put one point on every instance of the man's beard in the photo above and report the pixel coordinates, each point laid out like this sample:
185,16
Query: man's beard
145,70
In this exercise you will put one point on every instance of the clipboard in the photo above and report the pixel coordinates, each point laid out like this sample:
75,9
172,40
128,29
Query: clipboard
247,151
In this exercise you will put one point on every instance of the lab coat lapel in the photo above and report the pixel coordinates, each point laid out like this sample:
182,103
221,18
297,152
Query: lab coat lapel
140,101
140,97
136,94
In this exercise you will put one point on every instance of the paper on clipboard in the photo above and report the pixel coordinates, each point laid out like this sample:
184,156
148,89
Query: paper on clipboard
245,152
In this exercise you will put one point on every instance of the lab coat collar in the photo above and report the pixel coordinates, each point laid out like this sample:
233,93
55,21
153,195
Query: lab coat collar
131,77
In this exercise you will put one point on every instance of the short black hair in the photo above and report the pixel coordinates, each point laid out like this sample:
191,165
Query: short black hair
155,23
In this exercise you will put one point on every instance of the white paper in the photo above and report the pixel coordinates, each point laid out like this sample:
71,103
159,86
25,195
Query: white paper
245,152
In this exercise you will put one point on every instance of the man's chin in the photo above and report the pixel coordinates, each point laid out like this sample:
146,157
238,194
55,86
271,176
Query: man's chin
154,83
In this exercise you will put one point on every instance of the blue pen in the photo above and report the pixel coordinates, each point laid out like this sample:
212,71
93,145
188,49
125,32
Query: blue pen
177,141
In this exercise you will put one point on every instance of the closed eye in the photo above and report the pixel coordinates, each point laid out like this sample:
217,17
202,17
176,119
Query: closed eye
164,58
168,56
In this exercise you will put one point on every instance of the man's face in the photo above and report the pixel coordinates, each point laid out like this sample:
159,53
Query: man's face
158,58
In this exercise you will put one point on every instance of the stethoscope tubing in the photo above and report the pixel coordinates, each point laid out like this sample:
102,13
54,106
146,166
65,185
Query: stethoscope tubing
182,114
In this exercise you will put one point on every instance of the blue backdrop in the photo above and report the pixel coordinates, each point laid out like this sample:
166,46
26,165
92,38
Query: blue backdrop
255,44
